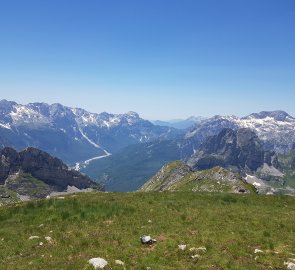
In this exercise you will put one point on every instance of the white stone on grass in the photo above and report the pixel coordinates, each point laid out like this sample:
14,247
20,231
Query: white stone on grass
34,237
290,265
257,251
98,263
119,262
48,239
194,249
196,256
182,247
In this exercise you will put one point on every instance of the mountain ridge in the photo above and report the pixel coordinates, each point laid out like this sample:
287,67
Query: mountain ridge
275,128
74,134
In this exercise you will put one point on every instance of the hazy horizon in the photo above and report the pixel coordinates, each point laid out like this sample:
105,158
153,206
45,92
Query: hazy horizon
161,59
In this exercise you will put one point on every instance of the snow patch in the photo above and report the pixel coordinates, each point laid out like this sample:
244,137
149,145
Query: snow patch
87,139
7,126
256,184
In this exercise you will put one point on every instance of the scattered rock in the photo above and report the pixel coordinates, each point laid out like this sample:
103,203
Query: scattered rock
194,249
34,237
41,244
48,239
41,225
257,251
290,265
5,196
149,221
98,263
119,262
146,239
182,247
148,268
196,256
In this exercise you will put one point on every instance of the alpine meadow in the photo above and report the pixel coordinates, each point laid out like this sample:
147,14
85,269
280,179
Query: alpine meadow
153,135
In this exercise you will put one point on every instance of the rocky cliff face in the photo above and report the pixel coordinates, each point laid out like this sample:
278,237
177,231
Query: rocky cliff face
40,165
241,150
274,128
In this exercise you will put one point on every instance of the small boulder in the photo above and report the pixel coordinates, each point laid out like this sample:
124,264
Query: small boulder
290,265
146,239
98,263
257,251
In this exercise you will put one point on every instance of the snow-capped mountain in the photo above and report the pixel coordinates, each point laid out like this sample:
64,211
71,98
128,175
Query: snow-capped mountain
74,134
275,128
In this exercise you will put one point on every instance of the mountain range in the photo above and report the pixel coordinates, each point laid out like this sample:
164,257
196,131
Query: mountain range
104,145
72,134
272,131
229,161
276,129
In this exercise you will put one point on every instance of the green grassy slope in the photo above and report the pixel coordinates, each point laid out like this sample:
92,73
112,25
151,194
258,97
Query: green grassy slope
109,225
287,164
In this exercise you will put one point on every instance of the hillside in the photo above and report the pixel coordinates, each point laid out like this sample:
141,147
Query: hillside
177,176
32,173
287,165
232,228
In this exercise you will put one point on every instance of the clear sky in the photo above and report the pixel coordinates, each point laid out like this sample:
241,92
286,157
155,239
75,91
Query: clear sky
161,58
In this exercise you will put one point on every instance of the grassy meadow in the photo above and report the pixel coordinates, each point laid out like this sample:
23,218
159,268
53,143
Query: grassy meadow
109,225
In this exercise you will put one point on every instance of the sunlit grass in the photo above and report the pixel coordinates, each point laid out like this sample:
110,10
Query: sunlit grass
109,225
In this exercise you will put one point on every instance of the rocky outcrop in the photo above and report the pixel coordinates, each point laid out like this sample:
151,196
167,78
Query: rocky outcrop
240,150
42,166
177,176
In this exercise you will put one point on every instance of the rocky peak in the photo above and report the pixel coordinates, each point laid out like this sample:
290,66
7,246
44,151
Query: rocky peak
132,114
276,115
42,166
241,149
40,107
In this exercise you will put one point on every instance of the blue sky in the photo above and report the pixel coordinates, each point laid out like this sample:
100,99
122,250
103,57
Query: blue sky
161,58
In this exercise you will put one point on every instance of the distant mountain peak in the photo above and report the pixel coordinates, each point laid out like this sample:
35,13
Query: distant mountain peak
278,115
132,113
